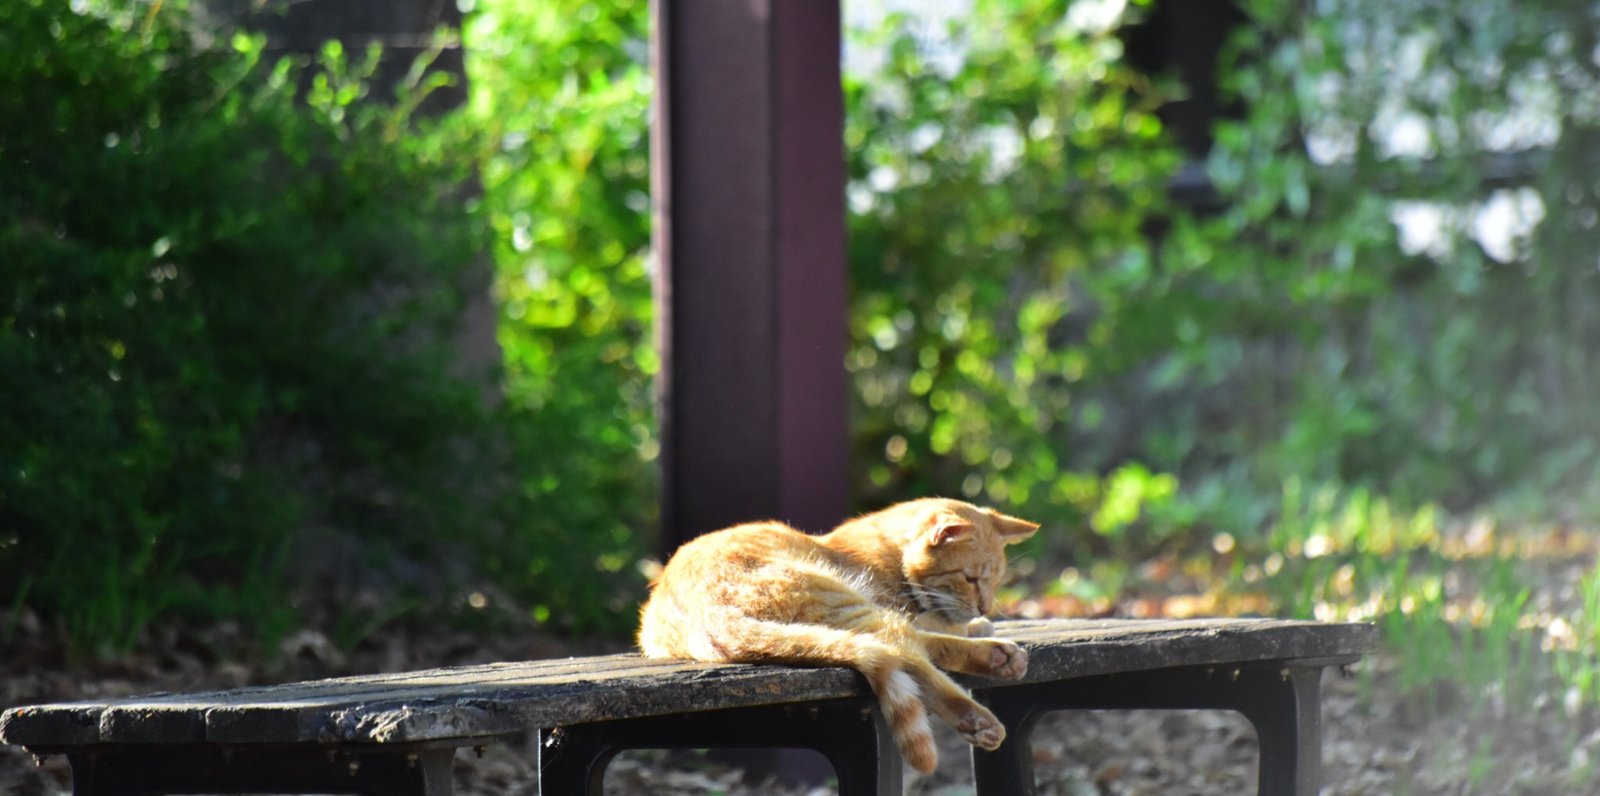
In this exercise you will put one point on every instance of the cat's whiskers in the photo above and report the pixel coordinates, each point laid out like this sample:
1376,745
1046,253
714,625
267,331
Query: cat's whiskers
1011,563
936,601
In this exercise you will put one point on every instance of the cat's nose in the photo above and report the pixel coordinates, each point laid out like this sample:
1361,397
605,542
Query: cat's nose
985,602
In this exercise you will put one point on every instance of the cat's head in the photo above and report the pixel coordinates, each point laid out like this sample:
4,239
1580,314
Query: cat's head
954,557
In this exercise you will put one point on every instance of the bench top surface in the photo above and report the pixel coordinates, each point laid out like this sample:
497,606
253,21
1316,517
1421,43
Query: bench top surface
459,705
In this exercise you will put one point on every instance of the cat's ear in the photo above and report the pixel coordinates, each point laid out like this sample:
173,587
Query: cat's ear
1013,530
945,528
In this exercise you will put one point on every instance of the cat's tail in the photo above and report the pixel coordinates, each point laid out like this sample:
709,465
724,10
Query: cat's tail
748,640
901,702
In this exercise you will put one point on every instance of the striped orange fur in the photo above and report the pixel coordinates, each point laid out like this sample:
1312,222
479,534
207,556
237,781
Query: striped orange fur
897,595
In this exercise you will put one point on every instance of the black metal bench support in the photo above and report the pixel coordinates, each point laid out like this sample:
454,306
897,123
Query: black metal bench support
850,733
136,770
1281,699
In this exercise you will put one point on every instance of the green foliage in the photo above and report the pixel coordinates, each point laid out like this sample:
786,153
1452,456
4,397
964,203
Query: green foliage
1383,301
1033,322
1412,181
1001,175
224,321
561,91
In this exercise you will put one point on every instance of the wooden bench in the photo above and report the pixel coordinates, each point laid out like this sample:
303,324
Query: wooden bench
397,733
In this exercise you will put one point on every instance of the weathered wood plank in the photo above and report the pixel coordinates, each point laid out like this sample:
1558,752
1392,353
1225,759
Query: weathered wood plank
64,724
1059,651
564,691
279,709
467,703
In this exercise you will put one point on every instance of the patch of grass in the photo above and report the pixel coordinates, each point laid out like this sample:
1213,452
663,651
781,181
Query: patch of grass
1490,627
1479,620
1455,599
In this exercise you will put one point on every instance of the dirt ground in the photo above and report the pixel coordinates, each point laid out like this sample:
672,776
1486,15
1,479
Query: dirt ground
1373,742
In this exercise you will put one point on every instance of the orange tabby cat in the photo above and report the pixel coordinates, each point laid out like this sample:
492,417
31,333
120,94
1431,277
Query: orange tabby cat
893,595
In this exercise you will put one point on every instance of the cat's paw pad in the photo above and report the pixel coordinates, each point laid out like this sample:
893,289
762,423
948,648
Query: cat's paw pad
980,627
1007,661
981,730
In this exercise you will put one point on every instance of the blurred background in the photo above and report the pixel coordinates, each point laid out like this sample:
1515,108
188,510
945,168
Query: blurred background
1260,307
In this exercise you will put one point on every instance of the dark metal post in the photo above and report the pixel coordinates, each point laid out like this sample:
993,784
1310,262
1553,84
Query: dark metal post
1183,38
749,198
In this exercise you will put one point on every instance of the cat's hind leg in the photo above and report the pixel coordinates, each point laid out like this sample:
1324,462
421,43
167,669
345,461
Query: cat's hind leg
952,704
946,698
749,640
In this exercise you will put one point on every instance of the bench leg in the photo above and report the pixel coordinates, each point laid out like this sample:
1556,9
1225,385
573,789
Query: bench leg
1288,720
1283,701
849,733
136,771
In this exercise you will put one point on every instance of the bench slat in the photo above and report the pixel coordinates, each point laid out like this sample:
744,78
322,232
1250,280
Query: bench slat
465,704
1064,649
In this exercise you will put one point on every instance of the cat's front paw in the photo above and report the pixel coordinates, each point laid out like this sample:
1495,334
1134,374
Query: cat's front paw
1007,661
980,627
